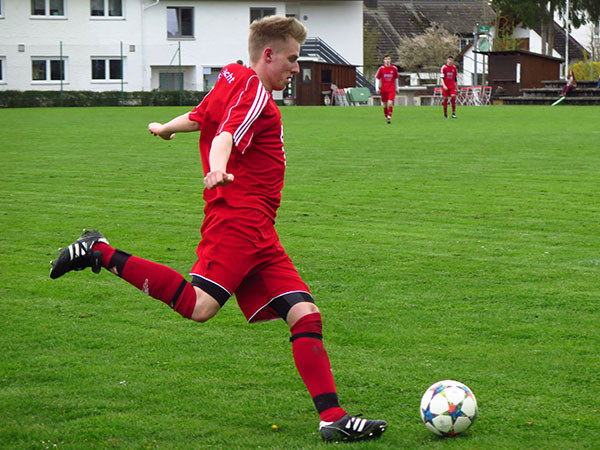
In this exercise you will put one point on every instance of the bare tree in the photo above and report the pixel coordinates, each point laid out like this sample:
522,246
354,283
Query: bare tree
428,51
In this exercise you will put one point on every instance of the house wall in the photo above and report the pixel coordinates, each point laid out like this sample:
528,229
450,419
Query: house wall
470,58
339,24
220,37
535,69
535,41
517,70
503,73
82,37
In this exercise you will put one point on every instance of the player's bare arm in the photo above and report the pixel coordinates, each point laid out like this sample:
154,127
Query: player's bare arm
220,151
180,124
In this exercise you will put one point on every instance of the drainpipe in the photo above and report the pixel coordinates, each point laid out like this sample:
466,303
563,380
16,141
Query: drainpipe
156,2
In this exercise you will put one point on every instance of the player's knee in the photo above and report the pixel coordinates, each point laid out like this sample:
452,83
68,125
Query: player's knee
293,305
300,310
306,324
304,308
206,306
201,314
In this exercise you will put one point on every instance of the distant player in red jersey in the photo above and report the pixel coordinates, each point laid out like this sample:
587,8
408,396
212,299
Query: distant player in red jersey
449,75
386,84
241,145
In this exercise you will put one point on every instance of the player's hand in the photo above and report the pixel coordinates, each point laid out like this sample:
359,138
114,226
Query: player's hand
157,129
217,178
378,92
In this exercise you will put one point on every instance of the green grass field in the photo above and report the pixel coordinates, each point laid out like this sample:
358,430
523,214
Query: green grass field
465,249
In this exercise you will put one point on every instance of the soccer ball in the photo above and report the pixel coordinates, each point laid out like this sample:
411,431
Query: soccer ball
448,407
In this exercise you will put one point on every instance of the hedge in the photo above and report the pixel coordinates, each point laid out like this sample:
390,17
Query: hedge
32,99
582,70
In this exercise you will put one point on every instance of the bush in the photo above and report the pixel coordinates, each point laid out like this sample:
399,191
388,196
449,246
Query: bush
33,99
582,70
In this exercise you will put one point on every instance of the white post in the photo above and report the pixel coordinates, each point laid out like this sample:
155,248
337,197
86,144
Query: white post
475,49
567,41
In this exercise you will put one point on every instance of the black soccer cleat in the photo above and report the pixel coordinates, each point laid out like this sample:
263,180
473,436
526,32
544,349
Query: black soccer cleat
79,255
352,428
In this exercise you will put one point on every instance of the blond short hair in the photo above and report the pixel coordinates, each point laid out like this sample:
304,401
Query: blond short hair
273,29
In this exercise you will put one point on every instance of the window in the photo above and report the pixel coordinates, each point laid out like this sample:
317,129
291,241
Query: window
306,75
47,7
464,43
1,69
106,69
106,8
47,69
211,75
170,81
180,22
259,13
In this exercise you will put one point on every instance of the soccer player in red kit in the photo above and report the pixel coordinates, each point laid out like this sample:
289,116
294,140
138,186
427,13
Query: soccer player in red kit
449,75
241,145
386,84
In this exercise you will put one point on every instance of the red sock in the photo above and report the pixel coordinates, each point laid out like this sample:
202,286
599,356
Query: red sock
445,106
453,101
390,110
313,365
158,281
385,111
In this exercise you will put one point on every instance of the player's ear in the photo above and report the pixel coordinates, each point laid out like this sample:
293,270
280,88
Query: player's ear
268,54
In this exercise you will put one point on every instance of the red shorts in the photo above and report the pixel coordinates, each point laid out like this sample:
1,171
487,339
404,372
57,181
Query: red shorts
388,96
241,253
448,92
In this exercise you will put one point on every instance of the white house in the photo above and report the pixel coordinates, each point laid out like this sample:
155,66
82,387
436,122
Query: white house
141,45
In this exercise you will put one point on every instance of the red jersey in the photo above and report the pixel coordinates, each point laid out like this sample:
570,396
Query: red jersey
450,75
240,105
388,77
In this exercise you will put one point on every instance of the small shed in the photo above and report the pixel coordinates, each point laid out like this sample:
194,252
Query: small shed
316,77
520,69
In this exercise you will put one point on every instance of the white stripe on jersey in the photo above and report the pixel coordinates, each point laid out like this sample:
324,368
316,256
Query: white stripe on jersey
229,114
243,150
260,101
260,92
